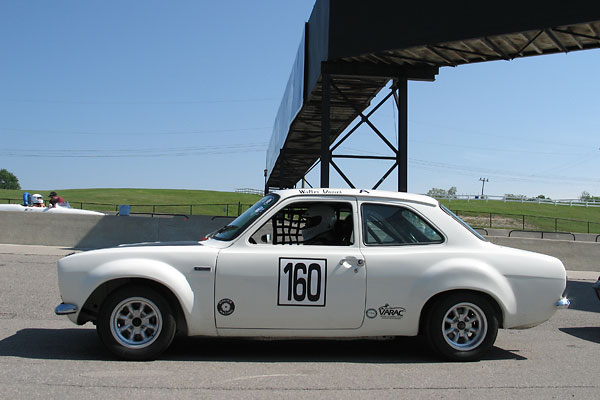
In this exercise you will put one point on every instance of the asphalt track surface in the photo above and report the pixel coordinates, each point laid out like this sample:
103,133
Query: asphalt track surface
45,356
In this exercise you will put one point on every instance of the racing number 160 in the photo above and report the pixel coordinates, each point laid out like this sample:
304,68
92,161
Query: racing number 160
302,282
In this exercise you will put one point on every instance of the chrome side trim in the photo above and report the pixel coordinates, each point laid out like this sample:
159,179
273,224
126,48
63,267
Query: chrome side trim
64,309
563,303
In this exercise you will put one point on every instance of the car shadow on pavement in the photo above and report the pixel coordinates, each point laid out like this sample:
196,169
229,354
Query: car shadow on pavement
591,334
400,350
582,296
84,344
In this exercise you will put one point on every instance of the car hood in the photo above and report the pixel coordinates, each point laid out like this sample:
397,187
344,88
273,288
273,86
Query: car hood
152,244
167,252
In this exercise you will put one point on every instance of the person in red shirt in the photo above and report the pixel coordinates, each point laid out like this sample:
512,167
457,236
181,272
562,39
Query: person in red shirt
54,199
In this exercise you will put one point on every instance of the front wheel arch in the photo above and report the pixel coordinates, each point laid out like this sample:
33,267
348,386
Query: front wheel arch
136,323
91,308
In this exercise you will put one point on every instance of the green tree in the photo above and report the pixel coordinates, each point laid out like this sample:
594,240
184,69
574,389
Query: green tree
585,196
8,180
435,192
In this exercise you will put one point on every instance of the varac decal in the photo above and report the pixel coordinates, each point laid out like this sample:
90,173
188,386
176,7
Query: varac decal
388,312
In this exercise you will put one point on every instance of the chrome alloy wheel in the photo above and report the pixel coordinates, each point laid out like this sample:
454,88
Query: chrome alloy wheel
464,326
136,322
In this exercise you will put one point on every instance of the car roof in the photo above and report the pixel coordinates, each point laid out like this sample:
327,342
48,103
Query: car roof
360,193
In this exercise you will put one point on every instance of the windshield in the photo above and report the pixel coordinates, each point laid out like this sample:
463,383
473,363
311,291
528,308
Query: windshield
463,223
238,225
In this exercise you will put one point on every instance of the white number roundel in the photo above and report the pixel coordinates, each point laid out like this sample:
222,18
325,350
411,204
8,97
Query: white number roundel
302,282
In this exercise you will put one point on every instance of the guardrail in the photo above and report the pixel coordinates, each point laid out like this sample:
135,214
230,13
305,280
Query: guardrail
483,229
542,233
220,209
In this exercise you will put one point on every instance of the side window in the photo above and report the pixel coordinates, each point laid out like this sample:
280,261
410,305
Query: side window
386,225
309,223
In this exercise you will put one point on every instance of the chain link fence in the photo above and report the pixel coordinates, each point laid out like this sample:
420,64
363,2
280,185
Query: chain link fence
478,219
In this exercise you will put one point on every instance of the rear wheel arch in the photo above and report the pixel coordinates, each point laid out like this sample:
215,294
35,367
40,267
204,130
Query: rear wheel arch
434,299
461,325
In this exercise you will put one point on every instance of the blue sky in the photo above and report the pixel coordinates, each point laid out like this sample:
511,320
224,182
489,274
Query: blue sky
184,94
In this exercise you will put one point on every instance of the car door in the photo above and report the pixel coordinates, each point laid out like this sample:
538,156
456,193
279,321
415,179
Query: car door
399,245
271,279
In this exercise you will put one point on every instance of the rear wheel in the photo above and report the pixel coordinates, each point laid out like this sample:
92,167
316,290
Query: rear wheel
462,326
136,323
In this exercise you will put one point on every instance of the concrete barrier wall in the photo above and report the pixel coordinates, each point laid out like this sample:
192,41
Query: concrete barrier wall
577,256
93,232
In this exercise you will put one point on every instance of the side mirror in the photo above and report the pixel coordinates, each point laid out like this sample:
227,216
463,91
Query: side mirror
266,238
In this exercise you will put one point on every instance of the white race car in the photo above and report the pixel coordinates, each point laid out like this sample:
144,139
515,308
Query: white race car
35,204
61,208
316,263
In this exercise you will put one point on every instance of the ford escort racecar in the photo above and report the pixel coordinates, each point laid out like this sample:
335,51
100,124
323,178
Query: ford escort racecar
316,263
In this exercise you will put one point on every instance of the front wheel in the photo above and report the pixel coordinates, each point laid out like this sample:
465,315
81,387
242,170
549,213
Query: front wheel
136,323
462,326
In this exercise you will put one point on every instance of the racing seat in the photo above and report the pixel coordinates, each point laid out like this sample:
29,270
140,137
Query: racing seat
343,231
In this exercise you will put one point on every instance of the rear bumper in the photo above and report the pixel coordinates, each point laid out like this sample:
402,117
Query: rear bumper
563,303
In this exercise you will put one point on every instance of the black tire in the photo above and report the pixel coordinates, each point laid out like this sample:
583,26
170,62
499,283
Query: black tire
136,323
462,326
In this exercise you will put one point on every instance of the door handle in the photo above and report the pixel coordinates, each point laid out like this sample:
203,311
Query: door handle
352,262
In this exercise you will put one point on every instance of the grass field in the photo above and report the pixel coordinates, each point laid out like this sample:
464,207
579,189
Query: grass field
533,216
165,201
203,202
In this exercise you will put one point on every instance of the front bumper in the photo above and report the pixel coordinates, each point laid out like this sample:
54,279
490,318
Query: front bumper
65,309
563,303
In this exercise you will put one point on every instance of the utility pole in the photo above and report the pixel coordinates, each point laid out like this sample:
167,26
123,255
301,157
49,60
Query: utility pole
483,181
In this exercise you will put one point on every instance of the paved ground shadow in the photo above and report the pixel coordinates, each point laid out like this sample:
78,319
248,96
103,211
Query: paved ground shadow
591,334
54,344
582,296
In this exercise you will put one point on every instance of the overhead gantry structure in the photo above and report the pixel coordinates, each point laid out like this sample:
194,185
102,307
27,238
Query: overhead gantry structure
352,49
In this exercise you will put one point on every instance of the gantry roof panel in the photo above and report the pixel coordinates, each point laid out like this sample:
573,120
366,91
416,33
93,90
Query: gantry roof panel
362,45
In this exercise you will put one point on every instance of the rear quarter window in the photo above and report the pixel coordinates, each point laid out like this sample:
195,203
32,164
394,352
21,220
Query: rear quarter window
463,223
390,225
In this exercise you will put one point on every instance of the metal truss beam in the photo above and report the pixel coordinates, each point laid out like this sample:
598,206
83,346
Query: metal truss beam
325,130
419,73
399,90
